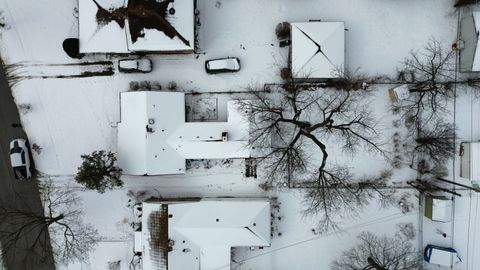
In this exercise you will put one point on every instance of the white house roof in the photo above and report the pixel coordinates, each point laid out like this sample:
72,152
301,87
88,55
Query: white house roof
96,37
170,140
318,49
476,59
441,210
202,233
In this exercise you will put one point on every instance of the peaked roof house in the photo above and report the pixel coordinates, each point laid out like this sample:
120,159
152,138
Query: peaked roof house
317,50
200,234
125,26
154,139
468,43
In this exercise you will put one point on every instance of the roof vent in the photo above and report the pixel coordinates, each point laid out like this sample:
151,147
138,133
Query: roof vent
224,136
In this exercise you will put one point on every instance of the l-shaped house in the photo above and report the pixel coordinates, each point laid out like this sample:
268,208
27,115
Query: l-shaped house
199,234
155,139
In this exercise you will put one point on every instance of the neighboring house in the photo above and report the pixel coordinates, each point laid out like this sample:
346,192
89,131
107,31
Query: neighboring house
154,139
317,50
125,26
470,161
468,43
178,235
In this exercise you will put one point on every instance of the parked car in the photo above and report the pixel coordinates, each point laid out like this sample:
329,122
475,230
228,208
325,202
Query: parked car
20,159
228,64
141,65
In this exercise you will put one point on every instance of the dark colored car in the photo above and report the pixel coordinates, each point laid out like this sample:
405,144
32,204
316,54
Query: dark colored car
222,65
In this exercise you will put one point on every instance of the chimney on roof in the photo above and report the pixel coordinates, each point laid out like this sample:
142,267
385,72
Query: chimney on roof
224,136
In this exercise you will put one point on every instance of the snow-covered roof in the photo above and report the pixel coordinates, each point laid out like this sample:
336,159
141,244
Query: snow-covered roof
169,140
476,58
470,161
137,26
438,208
95,38
201,233
182,22
317,50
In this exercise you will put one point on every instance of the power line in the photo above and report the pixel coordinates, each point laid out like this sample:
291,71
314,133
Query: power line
378,220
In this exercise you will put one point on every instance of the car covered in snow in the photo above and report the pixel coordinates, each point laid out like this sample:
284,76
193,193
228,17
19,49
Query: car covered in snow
141,65
20,159
221,65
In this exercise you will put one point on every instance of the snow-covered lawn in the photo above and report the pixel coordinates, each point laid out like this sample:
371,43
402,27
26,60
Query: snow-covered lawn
70,117
299,247
89,107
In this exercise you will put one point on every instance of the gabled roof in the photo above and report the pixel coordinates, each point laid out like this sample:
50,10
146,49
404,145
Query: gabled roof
248,226
202,233
169,140
123,26
317,49
476,58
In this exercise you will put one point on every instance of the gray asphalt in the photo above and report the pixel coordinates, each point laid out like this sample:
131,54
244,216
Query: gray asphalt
16,194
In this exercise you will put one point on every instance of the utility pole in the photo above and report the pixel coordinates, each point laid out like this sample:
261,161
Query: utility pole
458,184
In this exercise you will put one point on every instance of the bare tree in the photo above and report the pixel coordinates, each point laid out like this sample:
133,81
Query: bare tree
70,237
433,142
297,120
433,74
380,253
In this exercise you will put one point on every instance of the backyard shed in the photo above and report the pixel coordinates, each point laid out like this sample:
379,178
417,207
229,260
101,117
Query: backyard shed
317,50
438,208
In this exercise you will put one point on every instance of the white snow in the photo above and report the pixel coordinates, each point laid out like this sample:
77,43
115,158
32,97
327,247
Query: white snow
112,38
203,232
154,40
71,117
154,139
96,38
318,49
476,58
470,159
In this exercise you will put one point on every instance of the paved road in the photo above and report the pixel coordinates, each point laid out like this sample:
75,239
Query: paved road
15,194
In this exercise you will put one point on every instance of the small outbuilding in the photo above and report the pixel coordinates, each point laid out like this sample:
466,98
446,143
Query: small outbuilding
317,50
438,208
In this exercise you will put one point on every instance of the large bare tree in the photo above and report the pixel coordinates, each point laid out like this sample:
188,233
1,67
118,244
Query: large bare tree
432,70
433,142
71,238
297,123
380,253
